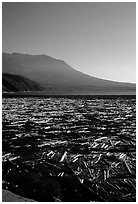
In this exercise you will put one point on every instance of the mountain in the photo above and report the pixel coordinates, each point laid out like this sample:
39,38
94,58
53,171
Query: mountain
16,83
59,78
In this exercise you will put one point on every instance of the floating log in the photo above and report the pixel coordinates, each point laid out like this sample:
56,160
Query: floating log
63,156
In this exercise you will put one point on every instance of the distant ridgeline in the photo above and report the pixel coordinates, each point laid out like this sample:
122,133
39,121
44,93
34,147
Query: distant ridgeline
45,75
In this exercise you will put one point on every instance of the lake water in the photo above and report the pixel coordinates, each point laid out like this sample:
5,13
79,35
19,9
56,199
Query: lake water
94,136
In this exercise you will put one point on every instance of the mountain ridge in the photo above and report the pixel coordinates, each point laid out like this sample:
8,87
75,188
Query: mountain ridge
16,83
59,76
44,55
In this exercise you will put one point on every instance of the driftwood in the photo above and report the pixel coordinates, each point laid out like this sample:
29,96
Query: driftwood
70,146
36,178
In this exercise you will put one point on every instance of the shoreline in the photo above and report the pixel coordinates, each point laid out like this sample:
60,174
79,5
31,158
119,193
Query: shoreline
8,196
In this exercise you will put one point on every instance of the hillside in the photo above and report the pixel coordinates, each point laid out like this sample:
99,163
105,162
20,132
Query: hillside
59,77
16,83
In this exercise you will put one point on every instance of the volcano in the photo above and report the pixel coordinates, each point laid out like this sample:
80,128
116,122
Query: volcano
55,76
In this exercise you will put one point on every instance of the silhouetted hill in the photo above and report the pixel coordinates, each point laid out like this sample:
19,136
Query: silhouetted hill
59,78
14,83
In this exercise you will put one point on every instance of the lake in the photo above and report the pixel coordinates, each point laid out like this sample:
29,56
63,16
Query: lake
57,139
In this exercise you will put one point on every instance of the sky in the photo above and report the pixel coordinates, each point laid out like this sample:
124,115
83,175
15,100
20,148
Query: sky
96,38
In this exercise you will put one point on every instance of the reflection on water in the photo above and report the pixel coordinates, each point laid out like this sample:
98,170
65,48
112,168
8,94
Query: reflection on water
96,137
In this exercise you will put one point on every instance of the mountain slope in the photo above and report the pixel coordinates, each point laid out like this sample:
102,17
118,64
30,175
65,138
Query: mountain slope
14,83
60,77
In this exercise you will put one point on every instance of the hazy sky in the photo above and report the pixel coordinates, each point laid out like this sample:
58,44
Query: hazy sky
98,39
